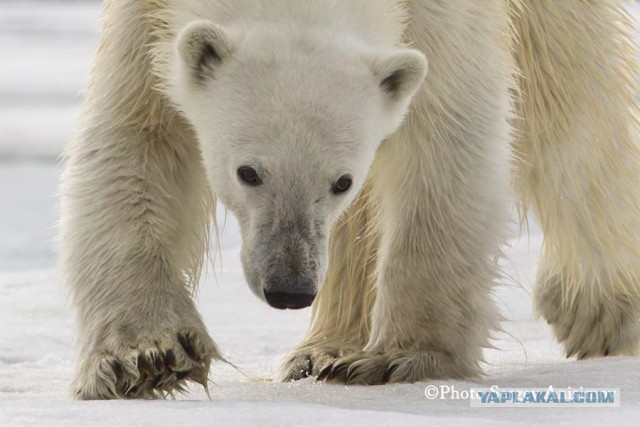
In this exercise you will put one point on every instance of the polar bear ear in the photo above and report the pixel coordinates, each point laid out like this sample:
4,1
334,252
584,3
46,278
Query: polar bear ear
400,73
202,46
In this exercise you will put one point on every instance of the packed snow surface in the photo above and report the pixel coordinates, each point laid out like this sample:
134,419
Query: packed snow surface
45,50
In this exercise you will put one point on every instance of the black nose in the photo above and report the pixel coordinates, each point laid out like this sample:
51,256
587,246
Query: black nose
294,301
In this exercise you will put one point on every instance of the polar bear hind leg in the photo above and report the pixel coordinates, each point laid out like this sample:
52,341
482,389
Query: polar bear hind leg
580,170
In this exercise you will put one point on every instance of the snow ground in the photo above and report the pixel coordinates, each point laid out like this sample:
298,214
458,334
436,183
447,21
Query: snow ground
44,58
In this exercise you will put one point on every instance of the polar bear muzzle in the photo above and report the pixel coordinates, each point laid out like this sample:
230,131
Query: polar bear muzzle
291,260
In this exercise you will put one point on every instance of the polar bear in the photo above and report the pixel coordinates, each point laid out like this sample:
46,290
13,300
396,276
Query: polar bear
378,195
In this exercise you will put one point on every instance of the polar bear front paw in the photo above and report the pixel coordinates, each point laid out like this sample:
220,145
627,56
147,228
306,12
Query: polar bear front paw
369,368
309,361
157,365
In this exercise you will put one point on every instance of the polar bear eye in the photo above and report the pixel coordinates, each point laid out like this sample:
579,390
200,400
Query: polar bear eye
342,185
249,176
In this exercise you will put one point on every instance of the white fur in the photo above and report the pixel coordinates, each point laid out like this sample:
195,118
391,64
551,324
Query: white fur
185,92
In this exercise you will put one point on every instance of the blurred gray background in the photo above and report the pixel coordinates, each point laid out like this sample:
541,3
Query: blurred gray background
45,54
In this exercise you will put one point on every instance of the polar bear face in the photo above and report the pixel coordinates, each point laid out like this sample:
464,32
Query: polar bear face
288,122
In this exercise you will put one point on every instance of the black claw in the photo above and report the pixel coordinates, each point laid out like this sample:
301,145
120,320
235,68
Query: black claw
582,355
158,363
607,350
156,380
117,368
571,352
339,372
145,367
186,344
170,359
182,375
142,362
167,378
348,380
324,374
387,376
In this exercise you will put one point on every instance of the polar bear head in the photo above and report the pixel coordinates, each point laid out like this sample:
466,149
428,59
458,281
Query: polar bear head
289,121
